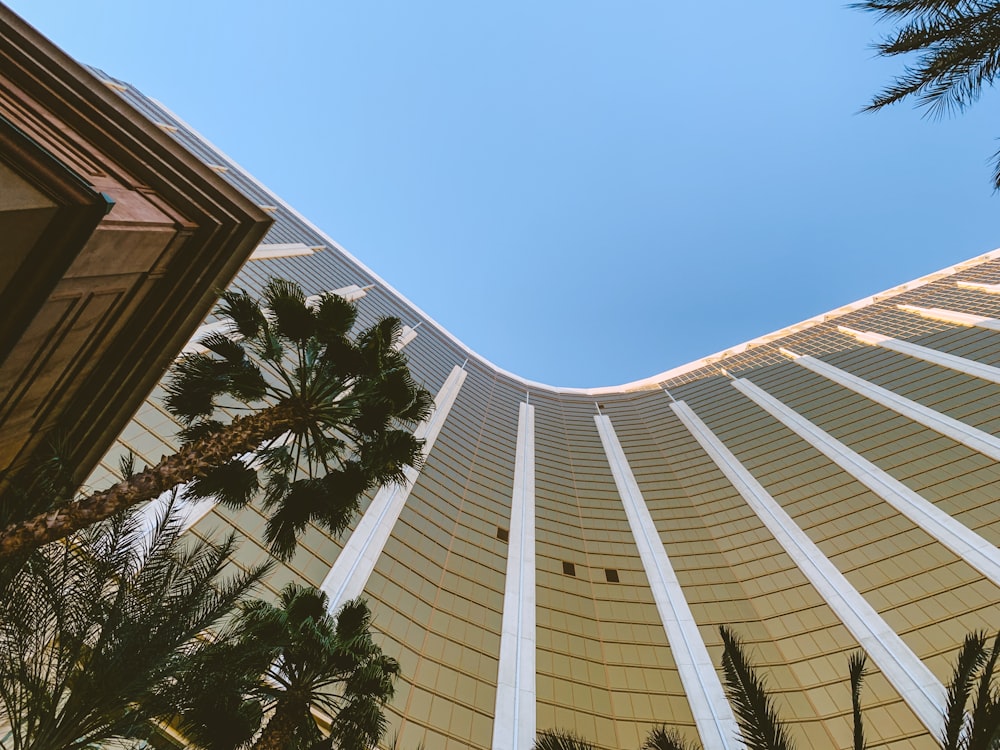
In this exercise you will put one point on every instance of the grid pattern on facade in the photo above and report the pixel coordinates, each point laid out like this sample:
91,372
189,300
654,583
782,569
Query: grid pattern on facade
925,593
604,665
734,573
437,590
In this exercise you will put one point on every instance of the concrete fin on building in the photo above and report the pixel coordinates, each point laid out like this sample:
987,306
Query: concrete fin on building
943,359
957,430
356,561
706,696
960,539
977,287
953,316
902,668
514,716
270,251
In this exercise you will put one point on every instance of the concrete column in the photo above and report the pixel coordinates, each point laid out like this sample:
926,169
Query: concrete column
514,716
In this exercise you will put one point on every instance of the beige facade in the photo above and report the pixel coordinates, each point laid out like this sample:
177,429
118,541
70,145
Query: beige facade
663,509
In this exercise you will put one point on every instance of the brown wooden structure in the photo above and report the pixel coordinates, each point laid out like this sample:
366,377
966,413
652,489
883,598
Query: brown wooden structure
114,241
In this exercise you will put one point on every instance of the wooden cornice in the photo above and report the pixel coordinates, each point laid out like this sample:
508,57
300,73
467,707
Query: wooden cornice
109,319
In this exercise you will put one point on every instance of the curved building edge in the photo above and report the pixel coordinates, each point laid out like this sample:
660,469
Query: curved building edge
650,382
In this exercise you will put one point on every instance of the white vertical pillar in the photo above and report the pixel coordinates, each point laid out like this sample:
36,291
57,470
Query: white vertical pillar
988,288
958,431
268,251
712,713
960,539
942,359
407,335
514,716
350,571
909,676
953,316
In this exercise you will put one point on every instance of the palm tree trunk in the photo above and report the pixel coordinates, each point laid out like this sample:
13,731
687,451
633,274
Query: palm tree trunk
280,730
244,434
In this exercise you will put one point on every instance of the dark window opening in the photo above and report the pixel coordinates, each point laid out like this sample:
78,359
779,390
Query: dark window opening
569,569
502,534
611,574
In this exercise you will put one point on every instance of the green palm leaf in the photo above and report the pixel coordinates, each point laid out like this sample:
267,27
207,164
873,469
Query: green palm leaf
760,727
856,669
954,50
982,728
243,311
971,657
232,484
286,302
665,738
96,630
335,317
314,660
552,739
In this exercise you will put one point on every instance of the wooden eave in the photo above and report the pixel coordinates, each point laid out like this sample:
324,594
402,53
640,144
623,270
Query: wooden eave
207,229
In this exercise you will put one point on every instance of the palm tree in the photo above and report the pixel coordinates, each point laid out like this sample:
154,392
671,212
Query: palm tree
856,669
325,421
321,662
211,701
957,44
978,727
93,627
756,716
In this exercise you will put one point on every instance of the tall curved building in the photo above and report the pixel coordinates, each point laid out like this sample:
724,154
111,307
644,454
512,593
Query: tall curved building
565,557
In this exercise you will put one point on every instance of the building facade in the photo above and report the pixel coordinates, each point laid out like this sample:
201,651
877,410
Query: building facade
565,557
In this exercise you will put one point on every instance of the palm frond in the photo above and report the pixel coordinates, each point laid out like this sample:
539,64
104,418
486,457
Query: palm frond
244,312
291,511
386,454
856,669
953,47
555,739
666,738
344,489
97,626
286,301
379,345
232,484
971,657
225,346
335,317
983,721
756,716
419,406
195,382
333,660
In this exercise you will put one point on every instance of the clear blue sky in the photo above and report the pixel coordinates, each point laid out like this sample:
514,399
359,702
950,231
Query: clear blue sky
586,193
